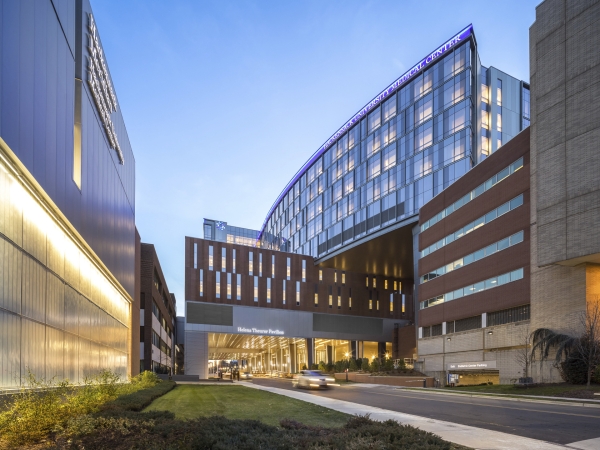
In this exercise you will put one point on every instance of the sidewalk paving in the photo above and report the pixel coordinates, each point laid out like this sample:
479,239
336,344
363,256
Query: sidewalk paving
460,434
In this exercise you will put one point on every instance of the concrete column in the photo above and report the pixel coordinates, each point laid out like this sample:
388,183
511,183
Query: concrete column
310,351
293,362
329,354
443,328
196,354
484,320
381,349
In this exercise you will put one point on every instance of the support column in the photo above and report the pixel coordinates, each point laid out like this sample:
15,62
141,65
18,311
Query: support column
310,351
329,354
292,364
196,354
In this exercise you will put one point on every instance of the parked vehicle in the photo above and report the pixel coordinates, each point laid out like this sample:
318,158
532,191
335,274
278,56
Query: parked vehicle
312,379
245,376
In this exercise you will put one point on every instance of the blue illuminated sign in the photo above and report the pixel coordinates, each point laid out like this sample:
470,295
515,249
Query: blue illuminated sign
425,62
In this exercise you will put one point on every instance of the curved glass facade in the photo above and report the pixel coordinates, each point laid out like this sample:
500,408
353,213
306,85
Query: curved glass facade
412,141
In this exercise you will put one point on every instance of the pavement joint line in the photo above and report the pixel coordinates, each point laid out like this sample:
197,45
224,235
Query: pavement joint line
466,435
534,399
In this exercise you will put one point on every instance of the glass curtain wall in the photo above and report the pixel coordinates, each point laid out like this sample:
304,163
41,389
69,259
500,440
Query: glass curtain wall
408,149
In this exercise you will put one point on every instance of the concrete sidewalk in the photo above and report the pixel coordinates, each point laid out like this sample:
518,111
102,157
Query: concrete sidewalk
460,434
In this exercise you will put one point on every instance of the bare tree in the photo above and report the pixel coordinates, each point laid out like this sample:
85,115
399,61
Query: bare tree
523,355
582,345
587,347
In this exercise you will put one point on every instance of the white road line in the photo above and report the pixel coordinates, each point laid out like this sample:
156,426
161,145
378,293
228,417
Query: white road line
460,434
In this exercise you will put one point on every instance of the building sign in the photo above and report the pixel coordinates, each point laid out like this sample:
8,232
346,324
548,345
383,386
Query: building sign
101,87
257,331
479,365
425,62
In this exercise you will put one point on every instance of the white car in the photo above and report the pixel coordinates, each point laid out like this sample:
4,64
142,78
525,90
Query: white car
245,376
309,379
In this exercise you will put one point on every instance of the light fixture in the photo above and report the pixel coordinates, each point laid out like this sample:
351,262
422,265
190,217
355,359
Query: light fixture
490,332
448,339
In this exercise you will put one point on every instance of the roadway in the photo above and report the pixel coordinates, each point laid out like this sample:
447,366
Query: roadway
560,424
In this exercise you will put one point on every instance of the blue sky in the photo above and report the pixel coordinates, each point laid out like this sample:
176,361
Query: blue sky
225,100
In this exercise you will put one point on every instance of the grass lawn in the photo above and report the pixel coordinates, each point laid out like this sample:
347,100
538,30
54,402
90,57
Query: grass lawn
550,390
238,402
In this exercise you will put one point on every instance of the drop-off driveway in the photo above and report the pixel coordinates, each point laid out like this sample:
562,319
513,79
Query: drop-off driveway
561,424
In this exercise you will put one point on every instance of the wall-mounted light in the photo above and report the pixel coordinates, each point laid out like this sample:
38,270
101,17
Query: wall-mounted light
490,332
448,339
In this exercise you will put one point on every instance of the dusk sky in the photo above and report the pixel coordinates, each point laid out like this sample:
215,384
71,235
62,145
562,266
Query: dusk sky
225,100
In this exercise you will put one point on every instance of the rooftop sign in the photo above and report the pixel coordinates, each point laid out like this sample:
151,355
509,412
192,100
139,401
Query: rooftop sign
101,87
425,62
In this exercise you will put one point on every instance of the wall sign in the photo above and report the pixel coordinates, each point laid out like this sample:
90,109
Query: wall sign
478,365
257,331
101,87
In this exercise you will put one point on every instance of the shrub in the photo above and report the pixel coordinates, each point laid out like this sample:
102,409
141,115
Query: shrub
304,367
353,365
573,370
365,364
375,365
322,366
388,364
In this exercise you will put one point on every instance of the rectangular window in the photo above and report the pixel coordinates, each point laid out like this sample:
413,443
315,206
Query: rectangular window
403,304
223,260
343,277
289,269
256,289
320,275
499,92
499,122
268,290
210,257
272,266
485,93
283,292
335,277
330,298
339,297
370,304
238,286
297,293
374,283
395,285
377,305
260,264
234,260
195,255
250,263
316,295
367,278
350,298
218,285
303,270
391,302
385,284
201,287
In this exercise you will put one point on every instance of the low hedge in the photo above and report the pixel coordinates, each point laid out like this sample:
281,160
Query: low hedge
160,430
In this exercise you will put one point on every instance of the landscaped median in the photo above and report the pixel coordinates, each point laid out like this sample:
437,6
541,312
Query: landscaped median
105,415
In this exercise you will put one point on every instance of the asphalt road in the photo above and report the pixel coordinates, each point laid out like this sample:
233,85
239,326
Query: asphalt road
547,422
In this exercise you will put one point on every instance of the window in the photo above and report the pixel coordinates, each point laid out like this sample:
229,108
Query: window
377,305
155,310
499,92
201,283
297,293
335,277
316,295
485,93
391,302
289,270
485,119
207,232
339,297
228,286
510,315
260,264
370,304
272,266
330,297
303,270
268,290
283,292
223,260
350,298
234,260
210,257
385,284
256,289
403,303
395,285
195,255
320,275
238,286
250,263
157,283
367,278
499,121
374,283
218,285
374,119
343,277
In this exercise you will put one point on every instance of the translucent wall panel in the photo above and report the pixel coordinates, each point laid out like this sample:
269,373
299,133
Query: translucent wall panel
60,315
